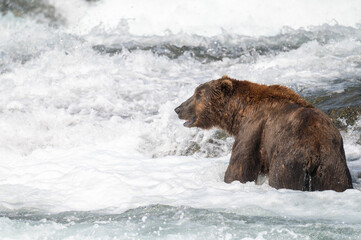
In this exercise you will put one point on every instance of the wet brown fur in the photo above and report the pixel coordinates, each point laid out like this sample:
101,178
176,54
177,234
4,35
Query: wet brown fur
276,133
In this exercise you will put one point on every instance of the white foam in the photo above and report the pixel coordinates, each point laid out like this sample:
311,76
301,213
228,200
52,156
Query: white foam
84,179
79,129
210,18
352,138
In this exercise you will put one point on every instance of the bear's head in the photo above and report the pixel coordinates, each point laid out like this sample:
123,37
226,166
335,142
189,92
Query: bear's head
204,109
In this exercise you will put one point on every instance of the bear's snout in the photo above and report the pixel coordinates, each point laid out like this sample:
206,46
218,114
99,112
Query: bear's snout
177,110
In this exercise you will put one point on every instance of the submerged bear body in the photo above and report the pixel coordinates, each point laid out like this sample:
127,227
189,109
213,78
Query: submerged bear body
276,132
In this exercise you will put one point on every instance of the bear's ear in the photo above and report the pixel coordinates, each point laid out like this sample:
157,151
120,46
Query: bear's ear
226,86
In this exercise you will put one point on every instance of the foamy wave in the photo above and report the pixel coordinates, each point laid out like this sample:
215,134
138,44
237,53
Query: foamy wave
87,115
209,18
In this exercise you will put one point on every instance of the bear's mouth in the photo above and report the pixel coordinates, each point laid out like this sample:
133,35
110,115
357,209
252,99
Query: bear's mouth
189,123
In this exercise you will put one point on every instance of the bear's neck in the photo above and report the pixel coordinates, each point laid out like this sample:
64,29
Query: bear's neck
232,115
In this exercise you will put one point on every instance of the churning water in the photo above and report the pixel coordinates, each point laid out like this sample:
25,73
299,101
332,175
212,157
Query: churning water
90,145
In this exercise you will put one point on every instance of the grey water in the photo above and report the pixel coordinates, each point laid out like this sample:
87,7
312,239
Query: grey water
91,147
166,222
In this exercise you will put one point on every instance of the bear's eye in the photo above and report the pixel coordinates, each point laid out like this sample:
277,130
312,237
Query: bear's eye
198,96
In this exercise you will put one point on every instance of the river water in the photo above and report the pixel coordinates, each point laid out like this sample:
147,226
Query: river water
91,147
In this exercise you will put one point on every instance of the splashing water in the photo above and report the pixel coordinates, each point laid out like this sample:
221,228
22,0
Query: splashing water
90,145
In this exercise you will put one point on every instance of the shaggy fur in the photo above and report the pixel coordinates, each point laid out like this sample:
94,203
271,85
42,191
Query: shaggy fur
276,133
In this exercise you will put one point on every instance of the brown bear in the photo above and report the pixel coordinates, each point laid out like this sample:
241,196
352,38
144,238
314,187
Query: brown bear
277,133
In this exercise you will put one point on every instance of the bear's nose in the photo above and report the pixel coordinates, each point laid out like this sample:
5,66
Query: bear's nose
177,110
